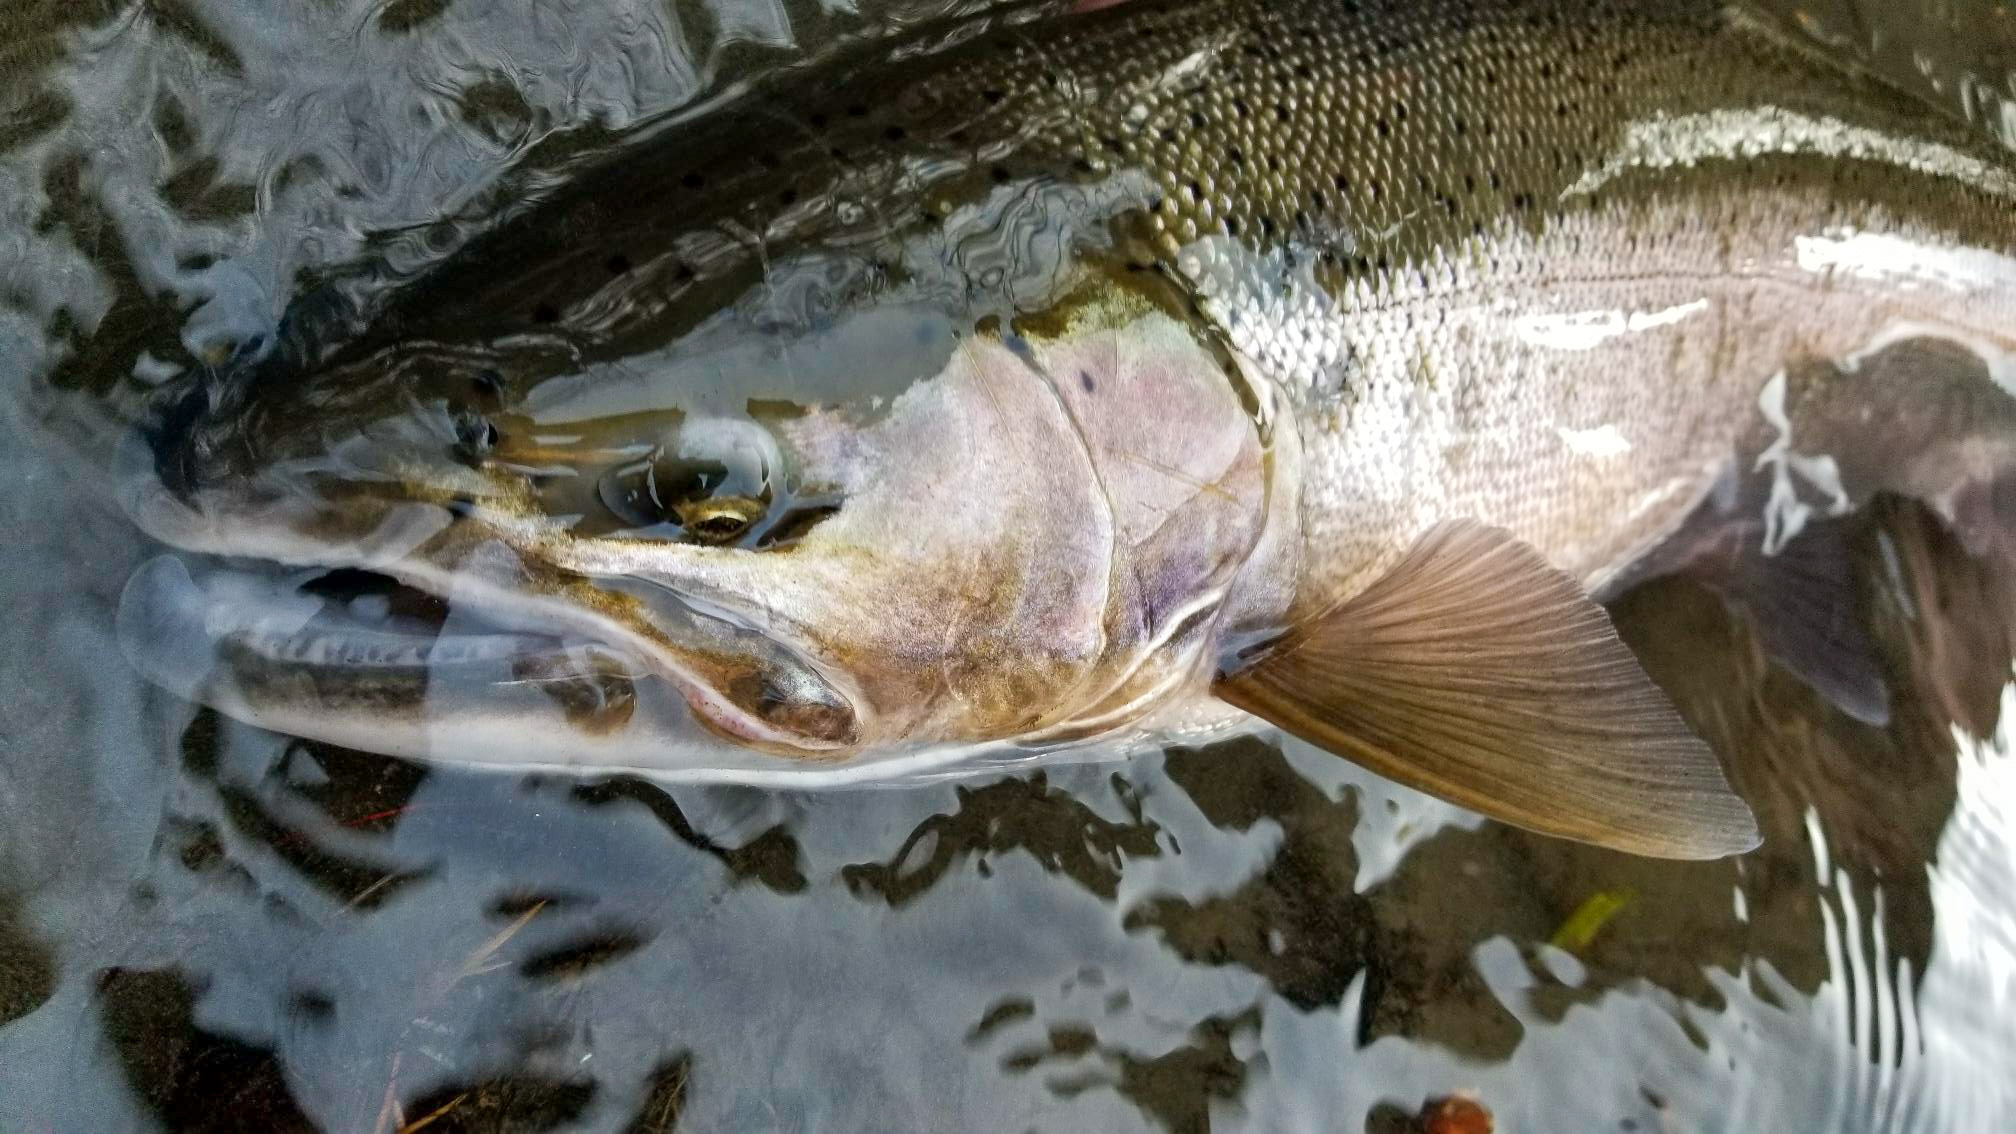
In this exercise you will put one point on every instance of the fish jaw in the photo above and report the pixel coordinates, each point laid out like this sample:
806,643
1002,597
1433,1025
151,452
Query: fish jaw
1020,555
444,636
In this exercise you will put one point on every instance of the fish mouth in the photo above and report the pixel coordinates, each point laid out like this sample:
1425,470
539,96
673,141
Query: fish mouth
409,663
393,624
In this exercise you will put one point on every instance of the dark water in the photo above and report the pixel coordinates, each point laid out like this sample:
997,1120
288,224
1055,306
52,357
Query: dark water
204,926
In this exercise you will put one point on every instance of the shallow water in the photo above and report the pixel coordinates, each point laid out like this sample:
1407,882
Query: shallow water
205,926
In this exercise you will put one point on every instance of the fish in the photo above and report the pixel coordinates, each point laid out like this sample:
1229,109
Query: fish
1039,386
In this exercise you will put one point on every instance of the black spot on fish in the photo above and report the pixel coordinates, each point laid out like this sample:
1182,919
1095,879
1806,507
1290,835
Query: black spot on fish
1085,380
793,525
313,1007
514,904
693,181
617,264
545,313
575,958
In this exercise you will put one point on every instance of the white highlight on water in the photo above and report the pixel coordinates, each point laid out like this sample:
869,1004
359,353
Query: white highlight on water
1903,262
1785,515
1585,330
1664,140
1602,441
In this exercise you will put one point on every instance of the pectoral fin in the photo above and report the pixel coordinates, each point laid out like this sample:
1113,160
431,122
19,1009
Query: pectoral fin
1476,671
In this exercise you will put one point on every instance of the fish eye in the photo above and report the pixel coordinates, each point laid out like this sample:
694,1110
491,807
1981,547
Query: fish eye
710,486
720,519
702,503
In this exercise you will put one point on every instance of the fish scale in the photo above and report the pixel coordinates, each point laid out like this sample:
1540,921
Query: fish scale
1372,133
1375,133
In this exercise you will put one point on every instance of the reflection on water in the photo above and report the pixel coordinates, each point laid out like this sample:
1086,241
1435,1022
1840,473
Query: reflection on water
204,926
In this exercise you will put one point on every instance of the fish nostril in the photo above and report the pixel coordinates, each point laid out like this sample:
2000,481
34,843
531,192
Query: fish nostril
475,437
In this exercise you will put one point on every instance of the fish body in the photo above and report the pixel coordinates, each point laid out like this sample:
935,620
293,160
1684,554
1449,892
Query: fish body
1037,381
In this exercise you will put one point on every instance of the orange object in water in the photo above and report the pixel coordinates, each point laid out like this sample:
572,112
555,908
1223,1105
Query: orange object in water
1455,1116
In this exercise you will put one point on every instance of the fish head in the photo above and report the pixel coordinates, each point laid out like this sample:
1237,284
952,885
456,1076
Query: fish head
978,532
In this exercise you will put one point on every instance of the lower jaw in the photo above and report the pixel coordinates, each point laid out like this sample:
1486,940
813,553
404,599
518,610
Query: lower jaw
264,647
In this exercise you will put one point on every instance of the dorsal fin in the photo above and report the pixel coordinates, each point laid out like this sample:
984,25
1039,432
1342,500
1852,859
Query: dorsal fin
1476,671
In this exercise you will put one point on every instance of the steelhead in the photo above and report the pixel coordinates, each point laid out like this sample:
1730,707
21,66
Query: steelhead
1036,382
